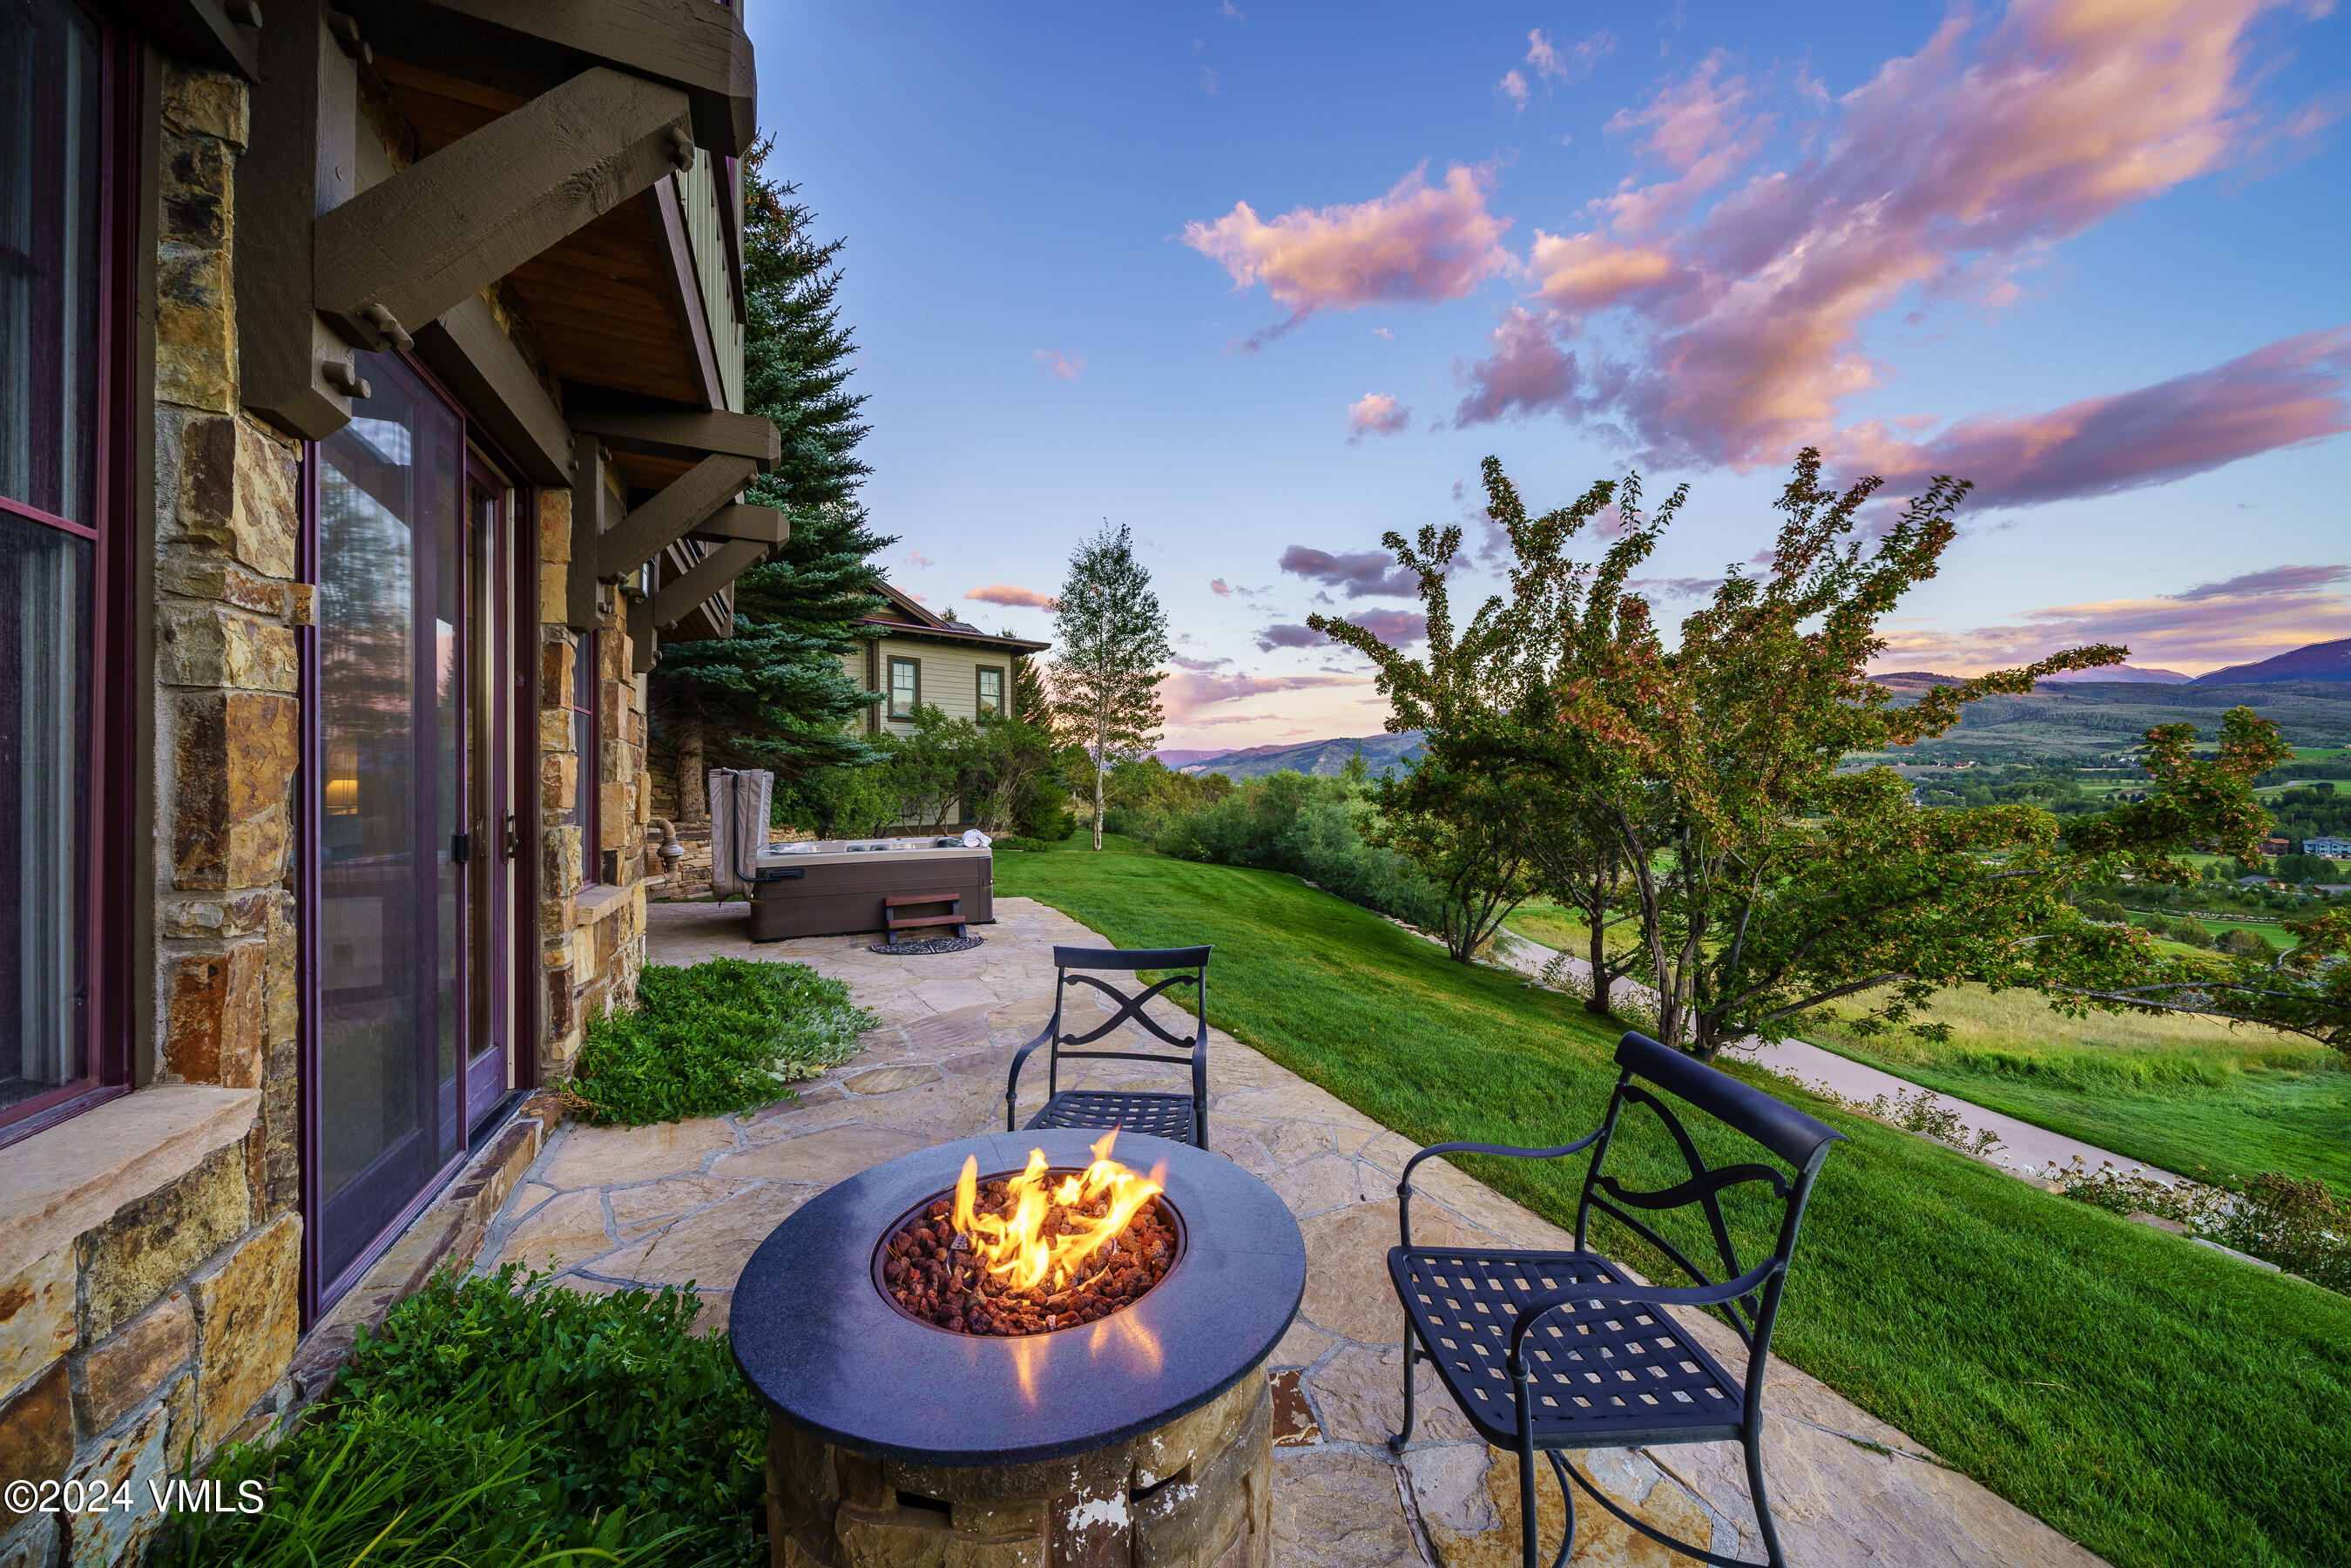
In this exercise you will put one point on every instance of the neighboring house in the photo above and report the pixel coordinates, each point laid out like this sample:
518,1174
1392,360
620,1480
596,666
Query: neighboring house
370,409
2330,847
2277,846
920,659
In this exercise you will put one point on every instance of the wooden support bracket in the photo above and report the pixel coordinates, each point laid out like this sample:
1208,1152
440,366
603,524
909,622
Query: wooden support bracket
402,253
674,601
590,500
761,525
689,435
525,46
661,522
466,349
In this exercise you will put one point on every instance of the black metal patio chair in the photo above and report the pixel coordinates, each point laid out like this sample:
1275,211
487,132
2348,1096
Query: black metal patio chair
1553,1351
1182,1117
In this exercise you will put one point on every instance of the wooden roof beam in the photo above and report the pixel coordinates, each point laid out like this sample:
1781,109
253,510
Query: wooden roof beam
760,525
526,46
689,499
674,601
690,435
404,252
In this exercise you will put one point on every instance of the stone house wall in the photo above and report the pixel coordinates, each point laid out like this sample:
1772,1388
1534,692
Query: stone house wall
151,1249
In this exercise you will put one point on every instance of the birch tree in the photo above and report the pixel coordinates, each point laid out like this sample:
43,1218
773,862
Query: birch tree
1111,637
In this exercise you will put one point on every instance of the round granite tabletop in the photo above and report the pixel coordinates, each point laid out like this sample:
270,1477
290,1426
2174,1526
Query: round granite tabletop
829,1353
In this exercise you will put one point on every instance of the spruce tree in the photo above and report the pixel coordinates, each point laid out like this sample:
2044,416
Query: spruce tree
775,694
1112,638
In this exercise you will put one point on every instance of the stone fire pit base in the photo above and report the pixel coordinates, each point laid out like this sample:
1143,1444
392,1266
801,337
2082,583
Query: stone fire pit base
1195,1493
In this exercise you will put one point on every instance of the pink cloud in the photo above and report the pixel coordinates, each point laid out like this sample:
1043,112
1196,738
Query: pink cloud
1527,372
2245,619
1220,588
1184,694
917,558
1514,86
1942,176
1007,593
1363,573
2288,393
1064,366
1376,414
1393,627
1419,243
1569,65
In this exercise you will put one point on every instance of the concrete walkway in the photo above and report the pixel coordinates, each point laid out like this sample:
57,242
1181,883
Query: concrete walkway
2024,1148
689,1201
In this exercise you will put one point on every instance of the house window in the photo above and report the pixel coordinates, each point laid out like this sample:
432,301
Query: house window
64,439
905,687
991,692
589,789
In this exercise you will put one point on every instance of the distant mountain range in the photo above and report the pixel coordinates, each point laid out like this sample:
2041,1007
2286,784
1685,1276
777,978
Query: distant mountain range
1323,757
1176,758
2317,662
2126,675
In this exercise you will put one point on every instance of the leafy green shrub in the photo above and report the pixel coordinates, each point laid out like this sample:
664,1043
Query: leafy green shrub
1016,841
2240,943
2300,1225
500,1424
2104,910
721,1036
1309,827
2190,932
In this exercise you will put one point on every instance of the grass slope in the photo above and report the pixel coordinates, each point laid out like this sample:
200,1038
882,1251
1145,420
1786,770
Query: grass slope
2154,1401
2183,1095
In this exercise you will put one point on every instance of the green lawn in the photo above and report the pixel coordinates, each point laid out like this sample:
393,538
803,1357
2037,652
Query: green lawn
2157,1401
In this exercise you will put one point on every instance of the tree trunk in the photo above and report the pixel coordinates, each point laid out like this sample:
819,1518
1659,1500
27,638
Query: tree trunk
1102,742
693,794
1597,1002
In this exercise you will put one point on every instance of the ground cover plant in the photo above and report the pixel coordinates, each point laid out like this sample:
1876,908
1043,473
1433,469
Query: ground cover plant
718,1037
2155,1401
505,1422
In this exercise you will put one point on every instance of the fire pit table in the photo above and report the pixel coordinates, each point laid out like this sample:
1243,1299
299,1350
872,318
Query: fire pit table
1135,1433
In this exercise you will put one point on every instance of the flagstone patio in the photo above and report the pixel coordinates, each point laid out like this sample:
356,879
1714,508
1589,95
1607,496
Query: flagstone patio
610,1207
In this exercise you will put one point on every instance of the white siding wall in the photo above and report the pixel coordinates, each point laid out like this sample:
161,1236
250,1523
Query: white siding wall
949,679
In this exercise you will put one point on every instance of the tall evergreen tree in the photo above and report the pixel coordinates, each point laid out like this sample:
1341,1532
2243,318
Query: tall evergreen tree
775,694
1112,637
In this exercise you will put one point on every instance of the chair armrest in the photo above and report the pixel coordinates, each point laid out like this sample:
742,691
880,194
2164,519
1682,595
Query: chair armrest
1404,1183
1661,1296
1012,1079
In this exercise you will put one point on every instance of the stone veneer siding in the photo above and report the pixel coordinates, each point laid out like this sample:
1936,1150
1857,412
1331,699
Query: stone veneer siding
149,1302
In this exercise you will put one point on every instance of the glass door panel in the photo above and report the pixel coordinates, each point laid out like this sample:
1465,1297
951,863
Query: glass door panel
488,872
387,498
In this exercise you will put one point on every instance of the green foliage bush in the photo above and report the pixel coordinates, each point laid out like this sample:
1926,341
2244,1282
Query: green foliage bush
2300,1225
2104,910
1311,828
504,1422
721,1036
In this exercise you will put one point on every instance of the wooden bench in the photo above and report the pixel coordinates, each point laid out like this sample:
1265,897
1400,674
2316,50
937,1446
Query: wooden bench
895,922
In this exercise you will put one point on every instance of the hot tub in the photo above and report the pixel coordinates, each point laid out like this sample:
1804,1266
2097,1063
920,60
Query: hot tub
834,887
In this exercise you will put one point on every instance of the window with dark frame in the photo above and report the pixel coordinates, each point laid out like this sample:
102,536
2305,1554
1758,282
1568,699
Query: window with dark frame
905,687
588,792
989,698
65,447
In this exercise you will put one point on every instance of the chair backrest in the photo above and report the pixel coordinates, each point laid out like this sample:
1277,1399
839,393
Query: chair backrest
1803,1142
1072,966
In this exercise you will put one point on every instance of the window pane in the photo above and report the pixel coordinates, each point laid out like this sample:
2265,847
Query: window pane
991,691
902,687
49,204
45,598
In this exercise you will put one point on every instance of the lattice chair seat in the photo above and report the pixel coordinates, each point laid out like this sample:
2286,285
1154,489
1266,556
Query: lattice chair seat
1159,1115
1181,1117
1548,1352
1606,1374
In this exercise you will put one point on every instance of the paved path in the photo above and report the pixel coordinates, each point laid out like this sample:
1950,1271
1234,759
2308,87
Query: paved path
2024,1148
689,1201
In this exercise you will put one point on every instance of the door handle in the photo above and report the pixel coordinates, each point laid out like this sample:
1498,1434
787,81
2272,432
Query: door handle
512,844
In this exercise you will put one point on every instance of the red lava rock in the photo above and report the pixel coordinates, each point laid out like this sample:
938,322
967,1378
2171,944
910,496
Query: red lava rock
928,1271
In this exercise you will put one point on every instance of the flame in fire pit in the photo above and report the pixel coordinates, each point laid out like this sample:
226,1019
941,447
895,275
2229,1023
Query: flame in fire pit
1013,1245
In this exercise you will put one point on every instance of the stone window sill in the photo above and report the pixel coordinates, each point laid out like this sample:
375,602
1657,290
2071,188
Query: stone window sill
596,902
58,1183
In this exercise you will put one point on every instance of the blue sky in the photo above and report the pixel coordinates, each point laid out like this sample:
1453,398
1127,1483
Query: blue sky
2092,256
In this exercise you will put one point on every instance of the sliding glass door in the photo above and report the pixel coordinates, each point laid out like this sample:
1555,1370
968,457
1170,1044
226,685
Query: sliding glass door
408,1048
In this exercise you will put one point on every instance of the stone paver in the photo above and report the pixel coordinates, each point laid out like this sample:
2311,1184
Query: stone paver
614,1207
